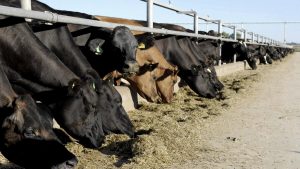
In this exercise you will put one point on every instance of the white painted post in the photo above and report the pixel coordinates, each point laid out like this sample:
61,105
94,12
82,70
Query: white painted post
245,35
196,23
220,34
234,38
220,28
26,4
150,13
234,33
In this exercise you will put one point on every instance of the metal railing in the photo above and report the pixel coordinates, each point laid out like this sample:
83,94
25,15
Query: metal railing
194,14
53,17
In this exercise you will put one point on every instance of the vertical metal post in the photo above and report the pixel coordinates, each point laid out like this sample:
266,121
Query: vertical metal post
196,23
284,40
26,4
150,13
220,30
234,38
234,33
257,38
252,39
245,36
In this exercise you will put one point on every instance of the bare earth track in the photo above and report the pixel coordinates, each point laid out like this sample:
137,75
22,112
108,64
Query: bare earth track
254,124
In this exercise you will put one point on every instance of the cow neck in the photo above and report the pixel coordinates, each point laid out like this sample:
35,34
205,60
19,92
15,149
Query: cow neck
59,40
42,65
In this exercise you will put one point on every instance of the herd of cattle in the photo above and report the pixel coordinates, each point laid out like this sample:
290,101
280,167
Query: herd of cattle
64,72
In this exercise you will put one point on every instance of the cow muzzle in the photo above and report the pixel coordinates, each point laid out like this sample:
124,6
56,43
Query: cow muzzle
70,164
130,68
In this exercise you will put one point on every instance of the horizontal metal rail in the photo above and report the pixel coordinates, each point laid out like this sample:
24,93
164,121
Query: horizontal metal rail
53,18
196,17
189,13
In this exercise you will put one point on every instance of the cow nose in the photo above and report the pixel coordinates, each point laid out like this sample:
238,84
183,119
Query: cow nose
70,164
131,67
156,99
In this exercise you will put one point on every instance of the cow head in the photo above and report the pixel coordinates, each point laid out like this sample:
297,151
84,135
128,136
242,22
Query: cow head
202,80
27,138
157,72
147,90
166,81
119,46
124,41
245,54
75,109
110,109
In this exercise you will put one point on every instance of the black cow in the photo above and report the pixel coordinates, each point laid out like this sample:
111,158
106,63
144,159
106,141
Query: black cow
79,107
59,40
273,53
76,98
26,134
194,58
194,72
260,52
116,49
229,49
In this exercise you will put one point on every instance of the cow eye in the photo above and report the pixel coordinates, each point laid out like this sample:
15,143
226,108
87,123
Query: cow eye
94,86
29,132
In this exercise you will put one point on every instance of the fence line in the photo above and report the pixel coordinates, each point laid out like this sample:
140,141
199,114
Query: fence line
194,14
54,17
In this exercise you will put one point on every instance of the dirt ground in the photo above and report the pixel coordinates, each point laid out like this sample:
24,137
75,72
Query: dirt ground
253,124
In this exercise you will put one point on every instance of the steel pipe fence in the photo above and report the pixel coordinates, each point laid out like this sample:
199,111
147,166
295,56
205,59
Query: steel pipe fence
53,18
219,22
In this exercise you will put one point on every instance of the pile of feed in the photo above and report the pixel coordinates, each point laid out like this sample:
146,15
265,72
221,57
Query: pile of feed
167,133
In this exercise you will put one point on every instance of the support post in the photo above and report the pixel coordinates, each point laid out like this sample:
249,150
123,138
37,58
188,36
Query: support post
220,28
252,35
234,38
196,23
26,4
220,46
257,38
245,36
234,33
150,13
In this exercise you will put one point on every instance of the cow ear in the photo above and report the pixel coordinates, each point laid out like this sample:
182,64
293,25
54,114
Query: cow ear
141,45
95,46
145,41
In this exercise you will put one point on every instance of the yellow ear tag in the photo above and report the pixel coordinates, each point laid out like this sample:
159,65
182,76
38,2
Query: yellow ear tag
141,46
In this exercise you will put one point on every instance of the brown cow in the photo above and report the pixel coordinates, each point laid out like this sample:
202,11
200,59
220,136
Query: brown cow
155,85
